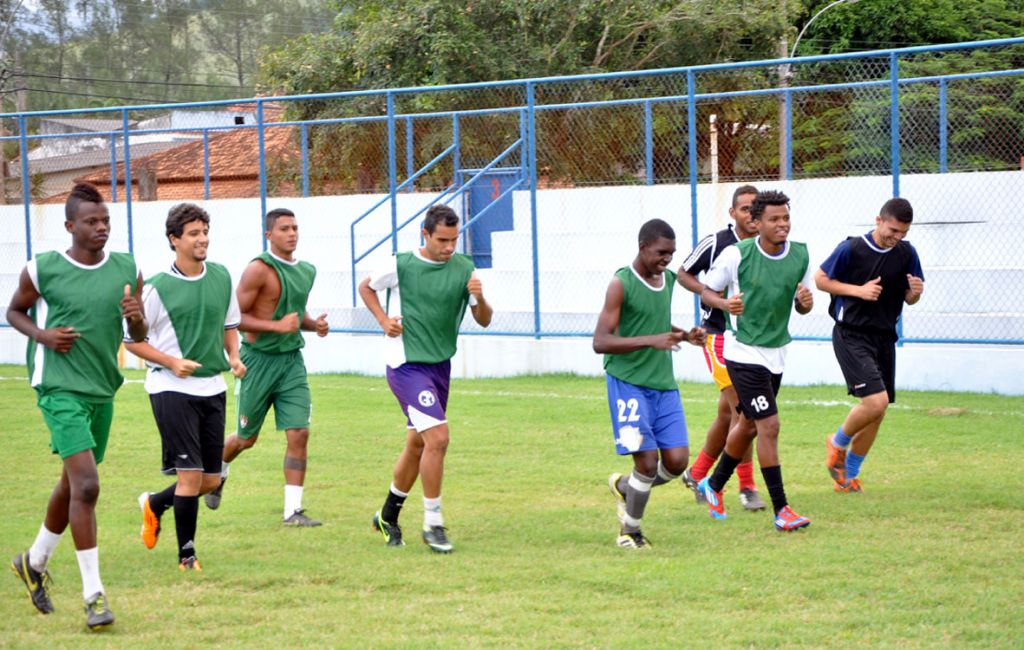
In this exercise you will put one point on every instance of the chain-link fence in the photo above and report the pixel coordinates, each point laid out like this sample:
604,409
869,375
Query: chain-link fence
554,176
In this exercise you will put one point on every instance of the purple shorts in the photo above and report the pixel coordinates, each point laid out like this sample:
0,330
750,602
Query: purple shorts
422,391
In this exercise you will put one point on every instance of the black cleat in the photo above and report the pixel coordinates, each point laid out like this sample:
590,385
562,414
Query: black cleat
691,484
37,583
98,615
392,532
212,498
436,537
299,518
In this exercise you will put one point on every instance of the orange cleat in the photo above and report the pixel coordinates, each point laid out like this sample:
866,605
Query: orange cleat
150,522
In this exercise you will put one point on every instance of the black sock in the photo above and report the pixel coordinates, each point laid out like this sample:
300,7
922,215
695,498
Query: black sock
723,471
773,480
392,508
186,512
159,502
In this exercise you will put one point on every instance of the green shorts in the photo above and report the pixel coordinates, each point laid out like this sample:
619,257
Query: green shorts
277,380
76,424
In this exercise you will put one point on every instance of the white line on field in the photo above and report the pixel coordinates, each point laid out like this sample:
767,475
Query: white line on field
702,400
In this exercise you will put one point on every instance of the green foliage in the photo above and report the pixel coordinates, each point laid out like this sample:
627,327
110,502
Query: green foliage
928,556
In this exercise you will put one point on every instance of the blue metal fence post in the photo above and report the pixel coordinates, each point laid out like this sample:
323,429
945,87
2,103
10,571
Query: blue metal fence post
457,154
691,137
648,143
894,118
392,171
524,150
943,129
304,145
531,126
206,164
894,134
410,161
113,168
261,143
788,107
127,178
26,191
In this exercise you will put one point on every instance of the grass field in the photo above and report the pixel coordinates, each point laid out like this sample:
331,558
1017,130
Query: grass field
930,555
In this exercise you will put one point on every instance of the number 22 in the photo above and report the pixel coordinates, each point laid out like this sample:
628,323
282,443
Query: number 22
632,405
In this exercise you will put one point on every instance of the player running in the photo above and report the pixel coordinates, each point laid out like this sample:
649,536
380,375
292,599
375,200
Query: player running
194,319
635,333
714,322
428,292
766,277
72,305
272,297
870,278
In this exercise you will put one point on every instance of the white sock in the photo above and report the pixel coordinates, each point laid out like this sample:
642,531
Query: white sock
432,513
398,493
224,469
292,499
89,565
41,550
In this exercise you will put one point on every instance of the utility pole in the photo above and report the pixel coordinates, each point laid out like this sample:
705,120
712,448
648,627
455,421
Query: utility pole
783,84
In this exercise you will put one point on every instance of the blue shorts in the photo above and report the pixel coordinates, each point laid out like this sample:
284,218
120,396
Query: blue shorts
645,419
422,391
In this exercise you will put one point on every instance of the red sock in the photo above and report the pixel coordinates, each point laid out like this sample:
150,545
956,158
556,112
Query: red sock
700,467
745,472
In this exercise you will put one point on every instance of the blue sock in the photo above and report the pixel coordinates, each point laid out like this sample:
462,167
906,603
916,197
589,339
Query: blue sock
841,440
853,462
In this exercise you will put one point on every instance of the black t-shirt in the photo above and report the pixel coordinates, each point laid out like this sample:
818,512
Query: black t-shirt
700,260
859,260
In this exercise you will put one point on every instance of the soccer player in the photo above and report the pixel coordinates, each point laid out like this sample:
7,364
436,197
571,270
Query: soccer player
870,278
272,297
194,317
714,323
71,306
428,291
635,333
766,277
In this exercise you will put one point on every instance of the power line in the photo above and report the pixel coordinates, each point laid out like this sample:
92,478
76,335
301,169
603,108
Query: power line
68,92
126,81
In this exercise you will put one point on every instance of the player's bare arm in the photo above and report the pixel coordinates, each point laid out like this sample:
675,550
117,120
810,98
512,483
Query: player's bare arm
392,325
915,289
869,291
732,304
231,348
179,366
804,300
59,339
131,310
689,282
318,324
482,311
258,293
606,341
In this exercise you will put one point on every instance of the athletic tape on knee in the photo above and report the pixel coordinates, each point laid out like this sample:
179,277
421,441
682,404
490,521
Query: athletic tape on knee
665,474
640,483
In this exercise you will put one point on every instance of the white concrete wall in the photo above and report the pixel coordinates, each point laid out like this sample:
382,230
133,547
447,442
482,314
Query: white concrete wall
975,277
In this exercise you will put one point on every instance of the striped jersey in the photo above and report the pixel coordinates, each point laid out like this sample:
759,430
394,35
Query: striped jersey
700,259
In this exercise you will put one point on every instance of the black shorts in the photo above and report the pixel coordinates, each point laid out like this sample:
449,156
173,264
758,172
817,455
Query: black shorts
756,387
192,431
868,361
